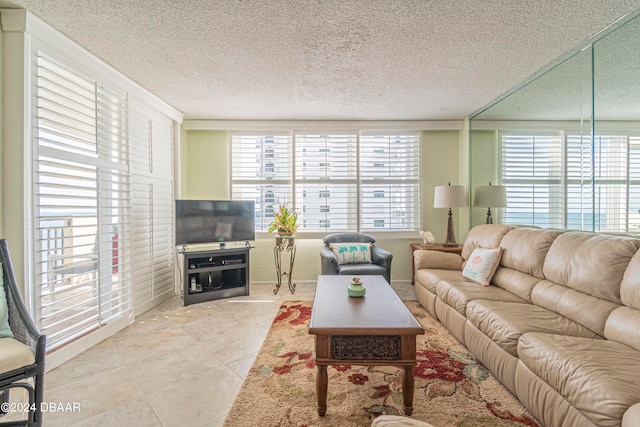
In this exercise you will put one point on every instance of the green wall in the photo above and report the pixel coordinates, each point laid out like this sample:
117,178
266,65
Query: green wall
205,173
484,169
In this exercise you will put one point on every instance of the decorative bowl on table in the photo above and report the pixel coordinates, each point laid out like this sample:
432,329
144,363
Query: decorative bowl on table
356,289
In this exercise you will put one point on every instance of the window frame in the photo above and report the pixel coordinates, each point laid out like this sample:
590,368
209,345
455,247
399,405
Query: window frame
300,201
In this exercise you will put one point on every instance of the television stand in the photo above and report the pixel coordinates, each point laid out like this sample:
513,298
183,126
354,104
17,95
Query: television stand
214,274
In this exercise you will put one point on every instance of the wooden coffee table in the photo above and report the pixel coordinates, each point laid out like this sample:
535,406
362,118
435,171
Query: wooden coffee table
376,329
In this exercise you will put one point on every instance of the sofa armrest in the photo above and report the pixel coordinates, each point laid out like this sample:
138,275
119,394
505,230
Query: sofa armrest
631,417
437,259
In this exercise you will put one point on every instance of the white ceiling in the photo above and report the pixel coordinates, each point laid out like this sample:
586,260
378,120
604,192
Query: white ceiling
328,59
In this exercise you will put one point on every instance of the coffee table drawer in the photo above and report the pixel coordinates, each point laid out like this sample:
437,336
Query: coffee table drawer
372,347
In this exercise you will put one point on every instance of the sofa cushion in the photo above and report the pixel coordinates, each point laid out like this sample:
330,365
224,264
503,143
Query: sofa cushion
365,269
14,355
352,253
457,294
586,372
516,282
482,264
524,249
571,304
623,325
593,264
505,322
485,235
429,278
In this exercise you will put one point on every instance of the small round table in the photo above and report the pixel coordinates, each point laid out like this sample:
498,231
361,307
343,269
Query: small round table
284,244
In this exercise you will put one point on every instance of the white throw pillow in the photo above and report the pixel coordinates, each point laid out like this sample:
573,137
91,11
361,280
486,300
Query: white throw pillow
482,264
352,253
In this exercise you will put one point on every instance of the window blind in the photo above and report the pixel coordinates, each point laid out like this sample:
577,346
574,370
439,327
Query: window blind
531,168
594,186
390,182
634,184
326,181
81,193
341,181
261,171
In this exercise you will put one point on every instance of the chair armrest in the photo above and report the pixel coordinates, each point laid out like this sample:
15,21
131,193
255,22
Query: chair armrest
21,323
381,256
328,261
436,259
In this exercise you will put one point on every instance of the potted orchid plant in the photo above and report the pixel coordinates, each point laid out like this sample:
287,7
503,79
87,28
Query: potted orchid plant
285,220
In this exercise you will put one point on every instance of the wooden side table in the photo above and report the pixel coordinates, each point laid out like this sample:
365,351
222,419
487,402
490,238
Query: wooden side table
435,247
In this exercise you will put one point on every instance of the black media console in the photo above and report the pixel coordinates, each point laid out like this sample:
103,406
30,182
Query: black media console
215,273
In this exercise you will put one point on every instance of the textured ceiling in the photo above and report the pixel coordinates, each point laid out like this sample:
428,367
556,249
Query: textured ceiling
328,59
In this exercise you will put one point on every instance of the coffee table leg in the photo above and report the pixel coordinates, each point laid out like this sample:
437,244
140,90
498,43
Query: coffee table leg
322,381
407,390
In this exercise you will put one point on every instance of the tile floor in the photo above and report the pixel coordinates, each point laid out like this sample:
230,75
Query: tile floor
174,366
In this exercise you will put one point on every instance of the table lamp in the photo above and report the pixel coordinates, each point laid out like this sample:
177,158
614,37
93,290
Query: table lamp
449,196
490,195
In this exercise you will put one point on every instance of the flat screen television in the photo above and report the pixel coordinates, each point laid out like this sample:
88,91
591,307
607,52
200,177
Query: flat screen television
213,221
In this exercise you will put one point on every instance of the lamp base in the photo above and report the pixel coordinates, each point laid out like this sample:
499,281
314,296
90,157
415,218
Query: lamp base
489,216
451,236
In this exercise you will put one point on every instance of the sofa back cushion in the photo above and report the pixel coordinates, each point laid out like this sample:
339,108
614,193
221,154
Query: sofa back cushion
587,310
523,253
524,249
593,264
485,235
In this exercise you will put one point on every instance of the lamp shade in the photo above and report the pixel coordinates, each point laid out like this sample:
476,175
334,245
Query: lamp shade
490,196
449,196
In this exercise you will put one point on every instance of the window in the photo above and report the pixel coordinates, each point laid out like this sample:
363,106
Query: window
531,168
326,165
390,181
261,172
572,181
339,182
81,189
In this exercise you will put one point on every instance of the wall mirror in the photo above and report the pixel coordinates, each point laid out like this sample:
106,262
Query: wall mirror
566,143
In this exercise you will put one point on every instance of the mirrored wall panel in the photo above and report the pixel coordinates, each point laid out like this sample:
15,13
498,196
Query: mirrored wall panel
566,145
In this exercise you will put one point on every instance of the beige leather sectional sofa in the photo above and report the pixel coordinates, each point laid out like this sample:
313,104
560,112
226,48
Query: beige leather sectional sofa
559,325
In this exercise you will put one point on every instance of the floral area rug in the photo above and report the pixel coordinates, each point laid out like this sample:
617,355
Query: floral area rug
452,387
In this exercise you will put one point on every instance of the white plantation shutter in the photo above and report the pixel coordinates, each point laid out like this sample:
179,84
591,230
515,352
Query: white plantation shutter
390,182
579,182
81,189
531,168
340,181
611,174
152,207
326,181
634,185
261,171
596,187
